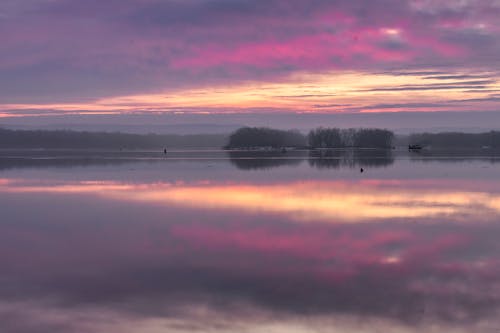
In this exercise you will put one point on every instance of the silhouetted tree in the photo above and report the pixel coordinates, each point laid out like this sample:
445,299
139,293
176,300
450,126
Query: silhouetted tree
373,138
359,138
253,137
348,136
324,138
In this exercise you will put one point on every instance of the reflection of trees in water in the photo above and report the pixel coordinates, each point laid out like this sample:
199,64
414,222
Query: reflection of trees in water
20,163
350,158
321,159
456,155
374,158
325,159
252,160
454,140
19,159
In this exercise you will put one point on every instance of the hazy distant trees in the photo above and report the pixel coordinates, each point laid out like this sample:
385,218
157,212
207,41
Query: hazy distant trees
457,140
246,137
325,138
373,138
348,137
357,138
104,140
253,137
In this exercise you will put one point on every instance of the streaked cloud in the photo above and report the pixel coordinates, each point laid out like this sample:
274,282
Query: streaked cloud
60,53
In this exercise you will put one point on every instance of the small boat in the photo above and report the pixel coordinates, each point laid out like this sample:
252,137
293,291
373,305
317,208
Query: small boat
414,147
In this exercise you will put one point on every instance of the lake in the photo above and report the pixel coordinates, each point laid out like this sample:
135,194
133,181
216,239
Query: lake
211,241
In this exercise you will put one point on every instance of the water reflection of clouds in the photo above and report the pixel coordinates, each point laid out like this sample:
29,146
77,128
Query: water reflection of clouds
156,257
327,201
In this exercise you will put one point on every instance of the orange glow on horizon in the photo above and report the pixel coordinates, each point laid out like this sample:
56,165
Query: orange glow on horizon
300,92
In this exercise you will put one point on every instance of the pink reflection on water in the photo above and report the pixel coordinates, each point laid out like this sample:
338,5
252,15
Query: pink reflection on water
303,201
178,244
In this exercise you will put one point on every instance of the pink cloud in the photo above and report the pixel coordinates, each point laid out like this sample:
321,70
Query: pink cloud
99,49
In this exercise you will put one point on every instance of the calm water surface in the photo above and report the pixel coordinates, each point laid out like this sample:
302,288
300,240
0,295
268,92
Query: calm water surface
208,241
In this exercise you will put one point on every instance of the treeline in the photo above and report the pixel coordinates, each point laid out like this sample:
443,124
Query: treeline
457,140
27,139
257,137
355,138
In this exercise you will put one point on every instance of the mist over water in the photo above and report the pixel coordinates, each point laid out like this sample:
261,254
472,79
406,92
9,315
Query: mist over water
210,241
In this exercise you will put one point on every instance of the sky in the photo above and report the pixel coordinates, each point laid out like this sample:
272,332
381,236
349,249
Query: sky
262,57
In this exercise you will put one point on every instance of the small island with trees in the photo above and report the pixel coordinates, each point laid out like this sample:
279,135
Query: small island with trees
262,138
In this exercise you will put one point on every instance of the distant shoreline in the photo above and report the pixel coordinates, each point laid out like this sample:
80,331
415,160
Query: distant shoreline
117,141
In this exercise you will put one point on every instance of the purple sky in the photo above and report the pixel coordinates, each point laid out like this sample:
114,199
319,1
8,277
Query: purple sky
62,57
